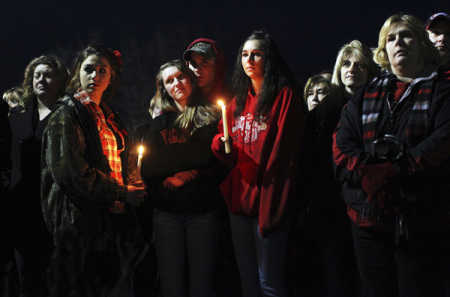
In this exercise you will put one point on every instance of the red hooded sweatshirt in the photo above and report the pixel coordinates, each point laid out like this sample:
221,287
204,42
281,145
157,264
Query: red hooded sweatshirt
219,89
264,158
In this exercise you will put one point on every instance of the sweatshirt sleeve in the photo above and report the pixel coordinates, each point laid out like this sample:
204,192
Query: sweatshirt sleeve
64,150
281,170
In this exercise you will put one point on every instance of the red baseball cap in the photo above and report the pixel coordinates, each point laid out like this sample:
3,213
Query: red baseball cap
435,17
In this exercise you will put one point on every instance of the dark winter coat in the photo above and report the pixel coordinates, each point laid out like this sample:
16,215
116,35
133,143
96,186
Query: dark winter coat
417,184
77,189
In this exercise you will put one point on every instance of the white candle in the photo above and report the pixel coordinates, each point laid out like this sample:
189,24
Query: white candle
225,127
139,162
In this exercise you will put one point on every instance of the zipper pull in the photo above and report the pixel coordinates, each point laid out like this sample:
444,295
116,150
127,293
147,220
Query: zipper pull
391,118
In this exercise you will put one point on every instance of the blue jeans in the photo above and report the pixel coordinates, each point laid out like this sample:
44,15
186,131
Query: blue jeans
261,262
192,235
413,268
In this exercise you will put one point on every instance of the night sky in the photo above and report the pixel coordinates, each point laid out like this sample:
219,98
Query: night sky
150,33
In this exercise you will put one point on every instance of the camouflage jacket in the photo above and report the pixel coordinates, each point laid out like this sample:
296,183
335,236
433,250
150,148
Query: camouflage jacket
76,189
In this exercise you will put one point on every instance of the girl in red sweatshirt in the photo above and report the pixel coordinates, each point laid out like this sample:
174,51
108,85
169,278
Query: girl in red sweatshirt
266,126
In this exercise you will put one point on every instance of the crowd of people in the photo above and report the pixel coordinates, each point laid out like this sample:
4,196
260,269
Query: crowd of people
346,188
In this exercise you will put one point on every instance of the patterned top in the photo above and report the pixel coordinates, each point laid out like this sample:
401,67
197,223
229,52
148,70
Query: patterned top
414,185
108,132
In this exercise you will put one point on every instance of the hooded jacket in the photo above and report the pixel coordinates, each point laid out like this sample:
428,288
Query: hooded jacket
219,89
263,159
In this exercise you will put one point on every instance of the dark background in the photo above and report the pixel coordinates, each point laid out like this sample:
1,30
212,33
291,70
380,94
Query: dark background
150,33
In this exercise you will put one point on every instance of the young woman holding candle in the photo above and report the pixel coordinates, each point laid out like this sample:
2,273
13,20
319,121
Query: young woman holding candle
84,174
183,180
266,124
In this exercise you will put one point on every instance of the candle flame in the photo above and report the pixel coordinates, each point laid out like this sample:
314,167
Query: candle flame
220,102
141,150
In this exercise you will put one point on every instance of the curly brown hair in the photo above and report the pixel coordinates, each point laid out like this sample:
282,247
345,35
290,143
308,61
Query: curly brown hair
61,74
116,70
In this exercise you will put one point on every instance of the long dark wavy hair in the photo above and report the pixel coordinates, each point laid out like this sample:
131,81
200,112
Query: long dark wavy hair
61,75
116,70
277,75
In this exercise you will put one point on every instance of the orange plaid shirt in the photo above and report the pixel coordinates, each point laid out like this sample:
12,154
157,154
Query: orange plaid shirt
108,131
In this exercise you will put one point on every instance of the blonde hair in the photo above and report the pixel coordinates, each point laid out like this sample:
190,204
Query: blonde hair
428,51
196,113
360,51
196,116
14,94
162,100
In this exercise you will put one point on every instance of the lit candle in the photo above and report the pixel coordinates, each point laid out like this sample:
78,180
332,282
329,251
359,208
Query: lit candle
225,126
139,162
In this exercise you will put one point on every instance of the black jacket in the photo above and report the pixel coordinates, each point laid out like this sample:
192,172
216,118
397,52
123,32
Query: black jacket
421,123
5,147
23,197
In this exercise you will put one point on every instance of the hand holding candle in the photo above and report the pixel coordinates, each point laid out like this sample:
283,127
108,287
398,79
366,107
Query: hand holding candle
139,162
225,126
